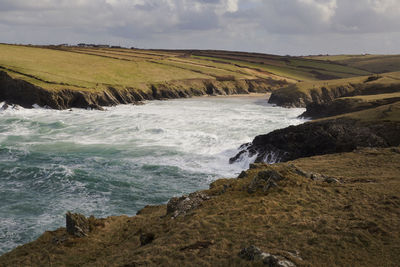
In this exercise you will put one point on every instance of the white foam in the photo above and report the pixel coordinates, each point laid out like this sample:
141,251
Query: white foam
188,137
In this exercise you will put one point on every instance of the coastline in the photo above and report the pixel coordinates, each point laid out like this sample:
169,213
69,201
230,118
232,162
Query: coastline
25,94
309,208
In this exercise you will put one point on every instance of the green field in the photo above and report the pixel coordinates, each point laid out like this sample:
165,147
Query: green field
88,68
297,68
370,63
95,70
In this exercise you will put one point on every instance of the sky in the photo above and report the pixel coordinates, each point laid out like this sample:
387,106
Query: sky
284,27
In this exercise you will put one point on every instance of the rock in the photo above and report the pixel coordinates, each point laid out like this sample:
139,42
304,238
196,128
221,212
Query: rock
316,177
4,106
253,253
270,174
146,238
265,180
77,224
180,206
343,105
294,254
331,180
300,171
321,137
275,261
242,175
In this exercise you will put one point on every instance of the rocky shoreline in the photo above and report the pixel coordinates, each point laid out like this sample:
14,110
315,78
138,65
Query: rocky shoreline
25,94
324,207
337,209
318,138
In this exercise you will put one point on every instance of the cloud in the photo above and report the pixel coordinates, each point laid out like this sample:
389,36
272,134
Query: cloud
260,25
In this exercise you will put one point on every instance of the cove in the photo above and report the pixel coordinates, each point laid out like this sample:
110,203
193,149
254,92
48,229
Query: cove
117,161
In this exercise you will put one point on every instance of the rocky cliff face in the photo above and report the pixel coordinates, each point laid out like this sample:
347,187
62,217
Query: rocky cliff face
293,97
298,98
318,138
342,106
23,93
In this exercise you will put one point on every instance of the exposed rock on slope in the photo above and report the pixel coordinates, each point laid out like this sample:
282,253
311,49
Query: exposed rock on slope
294,96
342,106
23,93
321,137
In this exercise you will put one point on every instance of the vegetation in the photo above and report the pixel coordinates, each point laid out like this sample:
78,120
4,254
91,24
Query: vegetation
352,222
303,93
339,209
390,112
370,63
91,68
297,68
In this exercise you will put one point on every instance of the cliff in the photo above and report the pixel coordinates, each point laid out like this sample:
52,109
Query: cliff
21,92
348,105
378,127
321,92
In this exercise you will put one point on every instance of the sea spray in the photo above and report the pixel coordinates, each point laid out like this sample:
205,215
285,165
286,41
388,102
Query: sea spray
117,161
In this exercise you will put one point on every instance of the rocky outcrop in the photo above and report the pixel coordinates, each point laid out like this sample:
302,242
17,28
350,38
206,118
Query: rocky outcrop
343,105
321,137
292,96
77,224
253,253
25,94
178,206
265,180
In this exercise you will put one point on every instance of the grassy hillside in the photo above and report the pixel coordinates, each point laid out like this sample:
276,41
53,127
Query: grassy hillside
390,112
351,104
353,220
370,63
303,93
97,68
301,69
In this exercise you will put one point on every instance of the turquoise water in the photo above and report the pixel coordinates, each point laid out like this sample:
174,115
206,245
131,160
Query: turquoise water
117,161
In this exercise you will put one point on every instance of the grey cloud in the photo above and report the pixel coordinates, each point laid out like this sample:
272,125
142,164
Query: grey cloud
276,26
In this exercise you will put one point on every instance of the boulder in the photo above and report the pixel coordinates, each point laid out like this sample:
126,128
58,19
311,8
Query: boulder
242,175
77,224
177,206
265,180
331,180
253,253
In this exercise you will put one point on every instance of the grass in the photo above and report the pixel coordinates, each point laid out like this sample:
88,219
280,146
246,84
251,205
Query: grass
97,69
303,93
297,68
354,223
370,63
390,112
370,98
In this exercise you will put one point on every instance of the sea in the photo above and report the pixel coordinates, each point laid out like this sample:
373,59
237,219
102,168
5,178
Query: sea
117,161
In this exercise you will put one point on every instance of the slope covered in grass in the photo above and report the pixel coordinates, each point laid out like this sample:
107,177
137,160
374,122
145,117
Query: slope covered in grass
304,93
297,68
346,215
370,63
